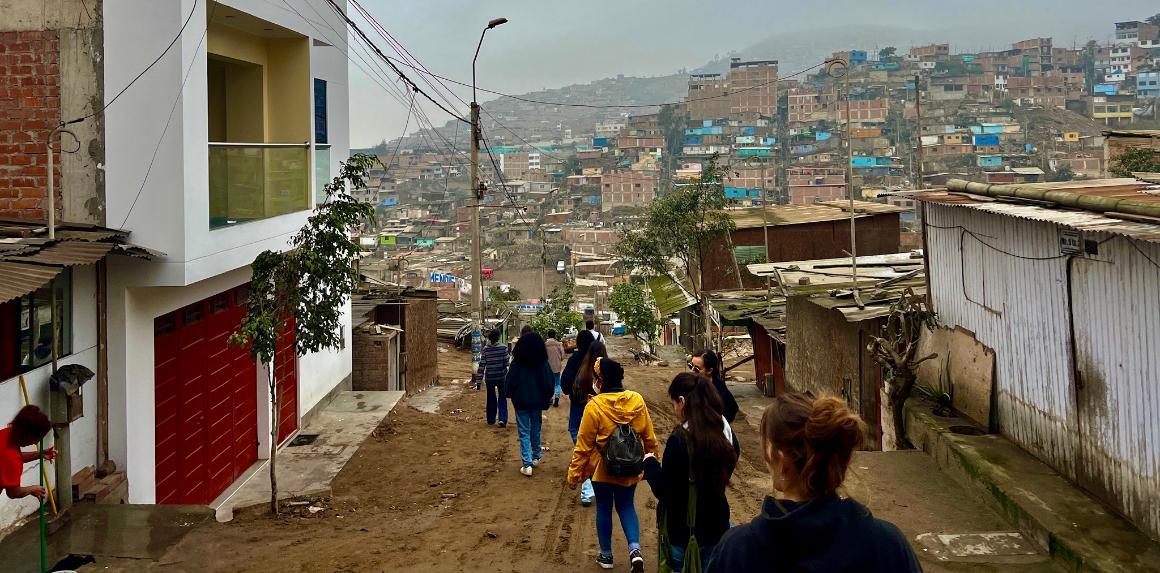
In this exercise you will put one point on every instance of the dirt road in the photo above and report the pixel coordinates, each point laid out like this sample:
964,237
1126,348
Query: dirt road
441,492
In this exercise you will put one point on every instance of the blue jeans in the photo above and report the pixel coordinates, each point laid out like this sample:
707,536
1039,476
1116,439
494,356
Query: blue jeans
496,400
607,496
528,423
557,394
677,557
575,414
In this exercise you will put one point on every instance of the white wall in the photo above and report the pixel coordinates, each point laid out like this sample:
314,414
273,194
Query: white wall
83,436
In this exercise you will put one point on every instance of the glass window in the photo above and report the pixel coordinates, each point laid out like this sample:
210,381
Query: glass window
320,131
26,327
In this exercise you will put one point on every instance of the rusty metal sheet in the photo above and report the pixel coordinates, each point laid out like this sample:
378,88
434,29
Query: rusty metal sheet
19,279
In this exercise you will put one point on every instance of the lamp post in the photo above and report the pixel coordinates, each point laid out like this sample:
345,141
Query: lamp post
477,190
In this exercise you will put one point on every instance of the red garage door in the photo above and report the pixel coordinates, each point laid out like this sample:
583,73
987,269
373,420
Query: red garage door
286,373
205,399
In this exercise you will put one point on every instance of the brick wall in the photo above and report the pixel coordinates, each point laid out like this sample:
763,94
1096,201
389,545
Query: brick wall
29,110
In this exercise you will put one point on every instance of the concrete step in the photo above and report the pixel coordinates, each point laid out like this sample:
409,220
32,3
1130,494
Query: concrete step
1076,529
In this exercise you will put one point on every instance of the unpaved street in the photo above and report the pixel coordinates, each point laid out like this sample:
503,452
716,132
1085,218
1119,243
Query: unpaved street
441,492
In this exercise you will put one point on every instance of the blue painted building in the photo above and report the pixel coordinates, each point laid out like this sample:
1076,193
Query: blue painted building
1147,85
990,161
858,57
986,140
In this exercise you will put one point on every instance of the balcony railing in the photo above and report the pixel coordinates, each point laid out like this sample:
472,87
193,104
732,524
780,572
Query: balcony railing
321,171
252,181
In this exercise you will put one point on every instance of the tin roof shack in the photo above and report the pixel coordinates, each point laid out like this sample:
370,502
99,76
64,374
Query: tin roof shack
762,314
1060,279
797,232
406,360
827,333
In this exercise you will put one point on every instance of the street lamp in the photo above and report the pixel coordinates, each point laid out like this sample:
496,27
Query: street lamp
476,257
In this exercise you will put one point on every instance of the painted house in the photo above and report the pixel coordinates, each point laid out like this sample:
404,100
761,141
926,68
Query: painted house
1071,292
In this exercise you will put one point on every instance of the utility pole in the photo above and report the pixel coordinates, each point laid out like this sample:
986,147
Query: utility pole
921,183
849,172
477,196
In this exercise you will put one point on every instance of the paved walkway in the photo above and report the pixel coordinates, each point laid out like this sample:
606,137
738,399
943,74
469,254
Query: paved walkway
309,469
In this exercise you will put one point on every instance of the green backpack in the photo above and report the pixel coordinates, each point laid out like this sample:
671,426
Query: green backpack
693,549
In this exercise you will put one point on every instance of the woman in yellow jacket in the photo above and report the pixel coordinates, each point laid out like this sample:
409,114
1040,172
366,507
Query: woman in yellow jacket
610,407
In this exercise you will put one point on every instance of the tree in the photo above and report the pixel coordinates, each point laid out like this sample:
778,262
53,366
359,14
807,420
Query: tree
1154,20
679,226
306,286
635,307
496,294
557,313
572,165
895,352
1135,160
887,54
1064,173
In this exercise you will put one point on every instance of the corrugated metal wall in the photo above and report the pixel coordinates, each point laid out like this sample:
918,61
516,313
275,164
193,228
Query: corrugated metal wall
1106,437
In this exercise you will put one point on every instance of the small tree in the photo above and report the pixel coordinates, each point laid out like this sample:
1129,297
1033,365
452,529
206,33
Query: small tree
1064,173
635,307
496,294
1135,160
306,287
887,54
895,351
679,227
557,313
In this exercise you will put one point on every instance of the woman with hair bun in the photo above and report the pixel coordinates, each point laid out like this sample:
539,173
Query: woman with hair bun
808,444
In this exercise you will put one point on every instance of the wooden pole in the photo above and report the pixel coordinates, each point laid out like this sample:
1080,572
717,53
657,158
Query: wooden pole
39,451
921,183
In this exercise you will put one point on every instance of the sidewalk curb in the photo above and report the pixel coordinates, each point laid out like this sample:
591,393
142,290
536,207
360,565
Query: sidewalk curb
1075,529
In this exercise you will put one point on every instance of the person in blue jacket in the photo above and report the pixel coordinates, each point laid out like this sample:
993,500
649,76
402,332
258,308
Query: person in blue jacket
530,384
808,444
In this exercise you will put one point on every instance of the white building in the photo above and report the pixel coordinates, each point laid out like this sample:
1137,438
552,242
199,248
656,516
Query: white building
1067,300
218,152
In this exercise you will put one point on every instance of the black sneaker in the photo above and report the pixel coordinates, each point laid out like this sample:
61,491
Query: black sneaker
606,562
636,561
503,424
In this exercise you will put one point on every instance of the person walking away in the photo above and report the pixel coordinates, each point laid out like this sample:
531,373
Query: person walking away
493,369
591,326
699,459
575,364
616,423
708,364
556,361
26,429
529,386
807,445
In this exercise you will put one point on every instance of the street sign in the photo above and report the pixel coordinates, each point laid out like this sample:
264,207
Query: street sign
1070,242
442,278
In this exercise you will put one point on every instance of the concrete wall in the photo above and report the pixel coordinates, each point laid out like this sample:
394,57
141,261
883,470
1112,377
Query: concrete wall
83,436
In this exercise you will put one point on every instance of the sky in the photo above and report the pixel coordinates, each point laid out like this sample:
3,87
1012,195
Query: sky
554,43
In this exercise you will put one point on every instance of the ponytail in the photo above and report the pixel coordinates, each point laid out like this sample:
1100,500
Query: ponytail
818,436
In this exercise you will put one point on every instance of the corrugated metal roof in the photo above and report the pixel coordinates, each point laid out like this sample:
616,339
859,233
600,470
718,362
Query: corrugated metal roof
1073,218
780,215
1133,132
671,296
29,259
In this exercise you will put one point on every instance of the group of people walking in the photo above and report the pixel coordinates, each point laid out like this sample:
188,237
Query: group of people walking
807,445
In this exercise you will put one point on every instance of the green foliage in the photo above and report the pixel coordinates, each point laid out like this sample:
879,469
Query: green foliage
672,120
681,224
311,280
572,165
496,294
557,313
886,54
635,307
1135,159
1064,173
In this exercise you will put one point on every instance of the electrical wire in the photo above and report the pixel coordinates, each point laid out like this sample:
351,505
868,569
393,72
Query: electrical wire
147,68
502,182
350,23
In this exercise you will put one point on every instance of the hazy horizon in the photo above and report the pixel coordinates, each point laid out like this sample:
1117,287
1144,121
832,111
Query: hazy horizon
551,45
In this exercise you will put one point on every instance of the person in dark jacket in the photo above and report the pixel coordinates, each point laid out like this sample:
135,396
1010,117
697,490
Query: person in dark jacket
576,405
708,364
704,432
808,444
493,368
529,385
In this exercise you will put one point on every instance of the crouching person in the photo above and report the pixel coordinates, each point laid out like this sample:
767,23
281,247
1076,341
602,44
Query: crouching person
28,427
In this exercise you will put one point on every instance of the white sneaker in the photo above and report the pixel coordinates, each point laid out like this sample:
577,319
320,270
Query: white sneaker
527,471
536,462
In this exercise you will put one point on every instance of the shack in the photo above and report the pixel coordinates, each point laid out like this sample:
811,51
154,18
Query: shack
395,339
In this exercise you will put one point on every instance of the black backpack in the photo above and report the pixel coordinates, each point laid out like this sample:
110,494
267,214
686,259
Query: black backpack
624,453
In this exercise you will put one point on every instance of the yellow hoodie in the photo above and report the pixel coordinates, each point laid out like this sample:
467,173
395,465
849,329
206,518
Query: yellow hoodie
602,415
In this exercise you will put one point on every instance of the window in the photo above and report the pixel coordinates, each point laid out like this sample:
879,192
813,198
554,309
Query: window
26,327
320,131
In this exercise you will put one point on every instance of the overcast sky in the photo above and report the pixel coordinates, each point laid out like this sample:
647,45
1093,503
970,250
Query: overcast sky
553,43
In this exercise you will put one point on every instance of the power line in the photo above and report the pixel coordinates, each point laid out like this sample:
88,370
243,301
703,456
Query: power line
390,62
147,68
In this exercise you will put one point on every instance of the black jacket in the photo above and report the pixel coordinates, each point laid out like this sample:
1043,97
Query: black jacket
568,375
727,399
530,388
670,484
825,534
